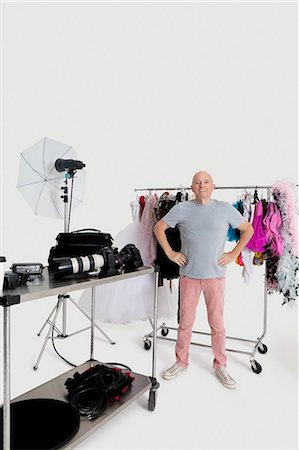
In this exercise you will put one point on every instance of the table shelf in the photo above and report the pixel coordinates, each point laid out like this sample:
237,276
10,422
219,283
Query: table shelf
55,389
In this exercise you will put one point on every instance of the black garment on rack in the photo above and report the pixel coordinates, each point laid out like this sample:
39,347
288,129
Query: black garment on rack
265,207
168,269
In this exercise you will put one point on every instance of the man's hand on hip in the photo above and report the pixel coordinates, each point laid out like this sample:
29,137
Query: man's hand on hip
226,258
177,258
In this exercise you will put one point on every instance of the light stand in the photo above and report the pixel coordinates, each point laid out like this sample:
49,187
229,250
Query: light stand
62,299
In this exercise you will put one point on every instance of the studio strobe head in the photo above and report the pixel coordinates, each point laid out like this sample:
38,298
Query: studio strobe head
63,165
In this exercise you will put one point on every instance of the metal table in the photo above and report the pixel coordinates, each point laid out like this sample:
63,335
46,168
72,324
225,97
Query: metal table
50,287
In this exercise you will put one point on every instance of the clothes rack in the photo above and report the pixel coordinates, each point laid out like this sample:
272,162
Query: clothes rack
258,345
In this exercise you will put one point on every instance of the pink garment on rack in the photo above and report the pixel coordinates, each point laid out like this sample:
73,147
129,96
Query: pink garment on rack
259,240
273,227
148,243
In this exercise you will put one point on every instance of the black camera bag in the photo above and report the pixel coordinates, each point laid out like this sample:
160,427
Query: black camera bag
79,243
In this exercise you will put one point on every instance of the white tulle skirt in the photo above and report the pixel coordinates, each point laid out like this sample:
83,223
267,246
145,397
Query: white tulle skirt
126,301
129,300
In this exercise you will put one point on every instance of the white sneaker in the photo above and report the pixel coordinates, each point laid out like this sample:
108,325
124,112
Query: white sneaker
173,371
222,374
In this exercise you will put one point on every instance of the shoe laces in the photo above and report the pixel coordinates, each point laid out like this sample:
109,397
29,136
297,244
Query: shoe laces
174,368
224,374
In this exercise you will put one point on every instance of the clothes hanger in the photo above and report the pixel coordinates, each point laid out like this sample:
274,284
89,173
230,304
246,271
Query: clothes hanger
255,197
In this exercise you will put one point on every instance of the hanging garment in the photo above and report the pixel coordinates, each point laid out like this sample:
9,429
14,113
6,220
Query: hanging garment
282,274
239,260
135,209
285,196
148,242
273,227
247,263
142,200
258,241
233,234
246,199
168,269
258,259
164,204
168,295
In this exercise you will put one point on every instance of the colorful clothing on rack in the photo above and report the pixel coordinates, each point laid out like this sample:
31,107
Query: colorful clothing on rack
273,227
233,234
258,241
282,270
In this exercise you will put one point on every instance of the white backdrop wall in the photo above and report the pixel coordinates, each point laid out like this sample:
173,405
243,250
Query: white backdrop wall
147,94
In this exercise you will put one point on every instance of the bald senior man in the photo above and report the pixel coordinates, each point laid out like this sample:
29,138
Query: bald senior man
203,224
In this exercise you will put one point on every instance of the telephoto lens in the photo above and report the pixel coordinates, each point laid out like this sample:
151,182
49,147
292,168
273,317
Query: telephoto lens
107,263
62,267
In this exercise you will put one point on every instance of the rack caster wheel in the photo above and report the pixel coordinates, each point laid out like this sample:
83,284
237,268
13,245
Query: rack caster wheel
255,366
147,345
262,348
164,331
152,400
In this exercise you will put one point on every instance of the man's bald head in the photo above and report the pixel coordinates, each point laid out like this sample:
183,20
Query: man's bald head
202,186
202,174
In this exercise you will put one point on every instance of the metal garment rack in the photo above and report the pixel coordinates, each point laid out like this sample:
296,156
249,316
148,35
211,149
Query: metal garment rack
258,345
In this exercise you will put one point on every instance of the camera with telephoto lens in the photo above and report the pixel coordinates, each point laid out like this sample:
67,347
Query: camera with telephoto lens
108,262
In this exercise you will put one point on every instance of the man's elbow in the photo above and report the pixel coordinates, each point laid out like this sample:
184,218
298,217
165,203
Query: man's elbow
249,229
160,226
157,228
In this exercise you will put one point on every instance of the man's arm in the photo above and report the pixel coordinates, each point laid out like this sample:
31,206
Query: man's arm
246,233
159,230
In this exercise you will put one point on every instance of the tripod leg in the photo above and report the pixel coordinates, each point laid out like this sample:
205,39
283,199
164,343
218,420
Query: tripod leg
89,318
51,327
64,314
47,320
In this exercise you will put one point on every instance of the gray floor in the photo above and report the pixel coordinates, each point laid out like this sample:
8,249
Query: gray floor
194,410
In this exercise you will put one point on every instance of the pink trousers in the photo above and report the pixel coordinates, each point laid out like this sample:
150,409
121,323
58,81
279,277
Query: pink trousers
213,291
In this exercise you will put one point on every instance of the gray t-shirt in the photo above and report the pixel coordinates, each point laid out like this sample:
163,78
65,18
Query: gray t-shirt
203,230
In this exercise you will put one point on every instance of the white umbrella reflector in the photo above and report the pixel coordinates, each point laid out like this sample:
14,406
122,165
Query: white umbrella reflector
40,183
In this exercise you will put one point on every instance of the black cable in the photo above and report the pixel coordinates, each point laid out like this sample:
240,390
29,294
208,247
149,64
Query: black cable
89,401
52,339
90,391
76,365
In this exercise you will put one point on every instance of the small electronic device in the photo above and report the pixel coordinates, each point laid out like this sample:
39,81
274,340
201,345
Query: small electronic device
23,273
27,268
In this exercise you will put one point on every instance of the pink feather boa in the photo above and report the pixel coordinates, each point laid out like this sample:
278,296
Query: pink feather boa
286,199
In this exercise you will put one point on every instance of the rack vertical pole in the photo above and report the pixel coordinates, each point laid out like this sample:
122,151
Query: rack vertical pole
93,294
6,378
